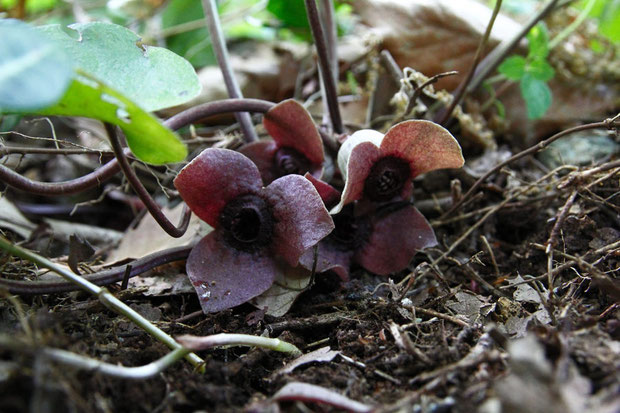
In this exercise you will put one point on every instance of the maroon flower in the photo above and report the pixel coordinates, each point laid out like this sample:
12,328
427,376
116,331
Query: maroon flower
256,229
381,168
296,147
382,241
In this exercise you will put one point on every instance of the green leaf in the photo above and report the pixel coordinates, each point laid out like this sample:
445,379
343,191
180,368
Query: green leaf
194,45
540,69
513,67
153,77
538,39
290,12
147,138
537,96
610,21
34,72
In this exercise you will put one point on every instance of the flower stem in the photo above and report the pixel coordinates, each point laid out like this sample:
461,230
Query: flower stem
141,191
221,54
205,110
329,83
102,294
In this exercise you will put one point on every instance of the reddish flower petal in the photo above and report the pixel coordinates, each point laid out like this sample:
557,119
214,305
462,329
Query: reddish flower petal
290,125
224,277
301,218
213,178
355,159
262,154
328,259
395,239
328,193
426,145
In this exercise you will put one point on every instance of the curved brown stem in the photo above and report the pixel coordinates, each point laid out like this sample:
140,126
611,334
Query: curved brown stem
143,194
104,277
205,110
110,169
91,180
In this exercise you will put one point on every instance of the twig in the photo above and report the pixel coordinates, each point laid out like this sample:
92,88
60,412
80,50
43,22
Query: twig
141,191
602,250
24,150
533,149
437,314
102,294
485,241
221,54
329,83
462,89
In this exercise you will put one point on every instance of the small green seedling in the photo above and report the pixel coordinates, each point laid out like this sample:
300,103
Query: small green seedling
532,72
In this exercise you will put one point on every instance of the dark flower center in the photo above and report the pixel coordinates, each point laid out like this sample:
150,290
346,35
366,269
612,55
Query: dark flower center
288,161
247,223
386,178
350,232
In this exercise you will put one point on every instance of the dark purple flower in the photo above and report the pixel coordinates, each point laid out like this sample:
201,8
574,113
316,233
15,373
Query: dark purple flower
383,242
256,229
296,147
380,168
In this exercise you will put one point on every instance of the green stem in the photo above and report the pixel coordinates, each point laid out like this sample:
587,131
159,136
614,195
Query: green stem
104,296
217,340
134,373
571,27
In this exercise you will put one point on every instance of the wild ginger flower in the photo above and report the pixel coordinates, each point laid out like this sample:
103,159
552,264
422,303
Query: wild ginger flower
296,147
383,241
380,168
257,230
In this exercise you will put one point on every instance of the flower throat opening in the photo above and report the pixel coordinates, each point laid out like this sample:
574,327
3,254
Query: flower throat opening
386,178
247,223
288,161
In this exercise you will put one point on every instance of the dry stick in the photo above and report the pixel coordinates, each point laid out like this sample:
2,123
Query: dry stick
437,314
22,150
141,191
484,218
602,250
462,89
485,241
608,123
221,54
108,299
103,277
555,231
329,83
490,63
418,90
